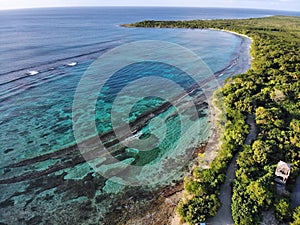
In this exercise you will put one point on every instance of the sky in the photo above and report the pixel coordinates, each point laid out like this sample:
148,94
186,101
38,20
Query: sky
291,5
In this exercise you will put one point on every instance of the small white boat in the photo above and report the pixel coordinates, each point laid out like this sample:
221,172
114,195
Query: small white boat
32,72
72,64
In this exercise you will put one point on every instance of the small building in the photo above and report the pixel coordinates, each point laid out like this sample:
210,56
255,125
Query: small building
282,172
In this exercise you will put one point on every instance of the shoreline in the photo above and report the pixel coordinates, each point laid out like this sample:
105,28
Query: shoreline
232,32
213,145
200,160
213,29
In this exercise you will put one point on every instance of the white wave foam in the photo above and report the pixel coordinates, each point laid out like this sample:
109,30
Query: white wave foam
32,72
72,64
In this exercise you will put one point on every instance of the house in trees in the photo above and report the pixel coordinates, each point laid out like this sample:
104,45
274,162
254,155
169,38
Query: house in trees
282,172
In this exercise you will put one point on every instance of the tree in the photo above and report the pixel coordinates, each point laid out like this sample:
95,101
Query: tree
282,212
199,209
260,152
259,194
296,216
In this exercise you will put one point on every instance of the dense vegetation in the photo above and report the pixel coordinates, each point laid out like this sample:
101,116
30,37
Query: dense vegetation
270,90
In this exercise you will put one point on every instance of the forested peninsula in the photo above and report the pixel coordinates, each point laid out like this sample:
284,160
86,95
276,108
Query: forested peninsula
269,92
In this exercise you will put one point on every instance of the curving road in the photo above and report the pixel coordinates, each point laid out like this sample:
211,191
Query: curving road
224,216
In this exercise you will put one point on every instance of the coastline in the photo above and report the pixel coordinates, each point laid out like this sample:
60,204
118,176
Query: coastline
165,207
212,147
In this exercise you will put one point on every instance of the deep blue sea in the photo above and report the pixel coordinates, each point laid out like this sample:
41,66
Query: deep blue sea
45,53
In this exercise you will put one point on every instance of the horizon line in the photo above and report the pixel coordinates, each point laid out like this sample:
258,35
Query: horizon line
137,6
